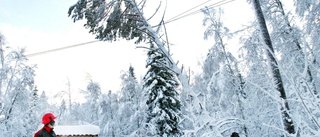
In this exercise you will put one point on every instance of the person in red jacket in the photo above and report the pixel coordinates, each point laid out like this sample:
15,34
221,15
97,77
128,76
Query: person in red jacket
47,130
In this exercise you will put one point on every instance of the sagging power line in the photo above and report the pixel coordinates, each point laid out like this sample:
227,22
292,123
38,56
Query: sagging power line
175,18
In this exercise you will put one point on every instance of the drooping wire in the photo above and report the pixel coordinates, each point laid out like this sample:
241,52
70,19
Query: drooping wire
175,18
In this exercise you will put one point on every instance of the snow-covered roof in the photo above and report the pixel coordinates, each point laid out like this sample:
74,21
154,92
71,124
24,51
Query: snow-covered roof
77,130
2,117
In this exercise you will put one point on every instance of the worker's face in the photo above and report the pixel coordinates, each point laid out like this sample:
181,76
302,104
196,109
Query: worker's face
51,124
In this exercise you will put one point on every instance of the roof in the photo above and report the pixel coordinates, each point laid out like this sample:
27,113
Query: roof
77,130
2,117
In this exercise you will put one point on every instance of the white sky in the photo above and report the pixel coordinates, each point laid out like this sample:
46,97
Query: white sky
40,25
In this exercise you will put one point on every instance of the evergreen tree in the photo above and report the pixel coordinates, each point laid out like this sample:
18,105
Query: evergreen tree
111,20
163,103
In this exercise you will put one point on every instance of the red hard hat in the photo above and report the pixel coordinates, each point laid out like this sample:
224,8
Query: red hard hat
47,118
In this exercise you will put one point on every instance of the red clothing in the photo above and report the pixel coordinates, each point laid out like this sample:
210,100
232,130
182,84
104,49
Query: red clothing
45,132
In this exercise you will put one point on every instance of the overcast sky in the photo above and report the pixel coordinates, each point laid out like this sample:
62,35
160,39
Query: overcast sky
40,25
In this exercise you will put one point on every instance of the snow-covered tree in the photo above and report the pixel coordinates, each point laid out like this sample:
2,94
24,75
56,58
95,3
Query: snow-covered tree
43,104
129,85
164,107
108,119
130,101
65,96
92,96
113,19
17,83
63,112
276,75
309,13
295,61
260,103
218,87
32,113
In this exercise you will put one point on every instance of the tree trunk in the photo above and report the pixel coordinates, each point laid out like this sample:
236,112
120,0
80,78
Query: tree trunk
286,118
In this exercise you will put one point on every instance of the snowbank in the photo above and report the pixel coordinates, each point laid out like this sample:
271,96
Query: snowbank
77,130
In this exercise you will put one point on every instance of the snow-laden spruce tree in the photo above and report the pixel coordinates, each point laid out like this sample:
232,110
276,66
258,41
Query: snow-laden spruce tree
163,101
111,20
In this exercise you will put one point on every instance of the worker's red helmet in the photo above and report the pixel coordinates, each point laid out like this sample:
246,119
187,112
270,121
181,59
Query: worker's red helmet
48,117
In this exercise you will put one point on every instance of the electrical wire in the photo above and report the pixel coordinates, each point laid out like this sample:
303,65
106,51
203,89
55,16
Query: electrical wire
220,3
188,10
175,18
62,48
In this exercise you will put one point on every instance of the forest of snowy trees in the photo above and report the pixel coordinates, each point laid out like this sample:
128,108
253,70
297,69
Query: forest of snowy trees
270,89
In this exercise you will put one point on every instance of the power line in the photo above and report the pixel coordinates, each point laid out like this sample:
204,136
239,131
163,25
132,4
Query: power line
222,2
188,10
62,48
175,18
